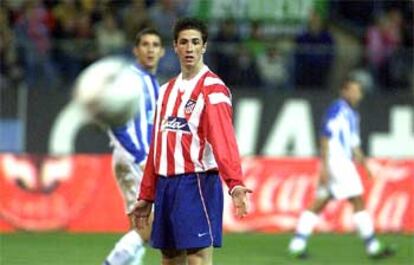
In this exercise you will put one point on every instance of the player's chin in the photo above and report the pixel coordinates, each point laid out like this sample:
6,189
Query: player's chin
188,64
150,63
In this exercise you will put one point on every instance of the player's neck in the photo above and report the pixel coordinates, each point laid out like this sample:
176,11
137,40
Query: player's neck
190,72
151,70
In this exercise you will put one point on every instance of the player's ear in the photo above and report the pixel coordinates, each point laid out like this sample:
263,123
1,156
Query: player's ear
162,52
175,46
135,51
204,49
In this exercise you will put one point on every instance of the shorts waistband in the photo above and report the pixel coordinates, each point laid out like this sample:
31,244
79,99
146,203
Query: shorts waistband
208,172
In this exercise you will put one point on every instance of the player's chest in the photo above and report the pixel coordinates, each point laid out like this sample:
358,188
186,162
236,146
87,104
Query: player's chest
182,111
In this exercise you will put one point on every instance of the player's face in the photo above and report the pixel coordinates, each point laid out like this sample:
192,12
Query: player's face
353,93
149,51
190,48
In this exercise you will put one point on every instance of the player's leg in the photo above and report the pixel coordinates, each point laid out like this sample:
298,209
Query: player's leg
305,226
203,256
173,257
365,228
129,250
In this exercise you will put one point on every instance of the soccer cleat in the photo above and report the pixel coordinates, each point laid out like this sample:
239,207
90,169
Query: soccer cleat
383,252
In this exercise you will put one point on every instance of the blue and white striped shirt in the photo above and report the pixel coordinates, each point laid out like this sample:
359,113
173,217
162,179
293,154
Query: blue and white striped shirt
135,135
341,126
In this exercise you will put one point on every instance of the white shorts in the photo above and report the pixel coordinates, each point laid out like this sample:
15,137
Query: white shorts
128,176
344,181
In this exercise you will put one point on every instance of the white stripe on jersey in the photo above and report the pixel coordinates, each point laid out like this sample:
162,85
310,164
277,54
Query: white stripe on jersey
216,98
145,122
195,143
213,81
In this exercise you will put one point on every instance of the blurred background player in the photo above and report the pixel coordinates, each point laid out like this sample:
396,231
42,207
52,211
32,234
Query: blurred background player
194,142
131,144
339,179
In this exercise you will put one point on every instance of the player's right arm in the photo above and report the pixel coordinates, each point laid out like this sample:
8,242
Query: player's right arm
146,197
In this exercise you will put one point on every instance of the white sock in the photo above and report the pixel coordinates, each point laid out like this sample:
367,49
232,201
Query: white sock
128,250
365,228
306,224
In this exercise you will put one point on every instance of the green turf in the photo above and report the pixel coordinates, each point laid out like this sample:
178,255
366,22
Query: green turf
239,249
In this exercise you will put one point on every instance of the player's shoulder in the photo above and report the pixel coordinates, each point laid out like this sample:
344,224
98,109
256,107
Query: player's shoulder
335,108
213,83
170,83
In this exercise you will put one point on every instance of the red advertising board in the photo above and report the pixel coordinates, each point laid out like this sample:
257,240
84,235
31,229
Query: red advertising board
79,194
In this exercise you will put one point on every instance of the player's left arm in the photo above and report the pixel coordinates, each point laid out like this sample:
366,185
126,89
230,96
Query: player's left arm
221,136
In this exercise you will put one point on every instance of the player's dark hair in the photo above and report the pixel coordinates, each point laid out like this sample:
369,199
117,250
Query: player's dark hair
191,23
348,80
147,31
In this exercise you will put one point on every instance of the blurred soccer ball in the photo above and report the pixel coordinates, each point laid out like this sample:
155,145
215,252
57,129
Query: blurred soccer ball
108,90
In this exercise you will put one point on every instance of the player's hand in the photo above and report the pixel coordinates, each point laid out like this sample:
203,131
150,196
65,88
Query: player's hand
141,212
240,200
323,176
369,172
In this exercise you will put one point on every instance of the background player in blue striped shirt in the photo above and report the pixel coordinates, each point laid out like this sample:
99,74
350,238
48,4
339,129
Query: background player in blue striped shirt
339,179
131,144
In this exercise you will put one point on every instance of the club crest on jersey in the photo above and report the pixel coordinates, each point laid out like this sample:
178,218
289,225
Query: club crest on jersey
189,106
176,124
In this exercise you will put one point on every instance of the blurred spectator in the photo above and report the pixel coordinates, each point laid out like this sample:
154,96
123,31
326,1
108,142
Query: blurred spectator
10,71
224,49
400,69
354,15
383,39
33,37
65,12
135,18
110,38
84,40
88,6
256,41
314,55
163,14
272,69
65,50
245,73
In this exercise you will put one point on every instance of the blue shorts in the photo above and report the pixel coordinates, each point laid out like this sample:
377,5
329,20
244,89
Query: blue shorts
188,212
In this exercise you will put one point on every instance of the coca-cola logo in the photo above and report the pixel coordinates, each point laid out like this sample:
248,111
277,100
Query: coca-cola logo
283,188
43,193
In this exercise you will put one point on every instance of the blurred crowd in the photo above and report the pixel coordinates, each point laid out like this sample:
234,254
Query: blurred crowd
46,43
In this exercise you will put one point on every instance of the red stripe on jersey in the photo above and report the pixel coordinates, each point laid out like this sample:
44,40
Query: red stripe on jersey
171,137
163,109
187,139
202,137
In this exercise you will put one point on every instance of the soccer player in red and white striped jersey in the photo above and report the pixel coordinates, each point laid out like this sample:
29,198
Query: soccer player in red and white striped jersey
193,143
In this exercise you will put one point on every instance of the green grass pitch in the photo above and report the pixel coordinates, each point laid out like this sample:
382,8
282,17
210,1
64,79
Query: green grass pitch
61,248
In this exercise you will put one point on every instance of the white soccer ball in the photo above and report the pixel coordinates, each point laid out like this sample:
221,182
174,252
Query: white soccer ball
108,90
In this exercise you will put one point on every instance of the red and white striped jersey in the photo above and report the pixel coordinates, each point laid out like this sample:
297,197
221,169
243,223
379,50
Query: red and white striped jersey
193,132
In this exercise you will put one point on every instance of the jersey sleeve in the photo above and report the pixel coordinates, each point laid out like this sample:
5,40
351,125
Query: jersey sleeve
221,136
356,139
137,150
328,121
130,135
